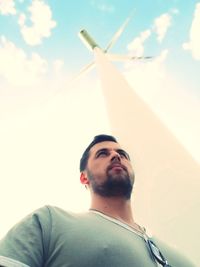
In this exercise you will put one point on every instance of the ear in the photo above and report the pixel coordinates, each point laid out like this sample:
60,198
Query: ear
83,178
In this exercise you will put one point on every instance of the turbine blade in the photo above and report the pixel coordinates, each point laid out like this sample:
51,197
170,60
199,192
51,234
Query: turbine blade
83,71
119,32
115,57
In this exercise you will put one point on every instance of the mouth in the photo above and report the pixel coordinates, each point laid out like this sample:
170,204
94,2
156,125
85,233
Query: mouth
117,167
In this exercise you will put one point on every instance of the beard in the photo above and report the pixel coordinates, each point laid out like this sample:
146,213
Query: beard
119,184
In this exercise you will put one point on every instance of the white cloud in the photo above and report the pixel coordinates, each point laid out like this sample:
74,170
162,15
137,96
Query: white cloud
106,8
42,23
58,65
162,56
103,6
194,43
7,7
16,67
175,11
136,47
153,71
22,19
161,25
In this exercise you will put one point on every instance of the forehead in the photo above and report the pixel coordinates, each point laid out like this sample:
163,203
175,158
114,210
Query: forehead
106,144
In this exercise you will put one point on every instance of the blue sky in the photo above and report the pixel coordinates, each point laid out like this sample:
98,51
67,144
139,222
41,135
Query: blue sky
41,113
102,19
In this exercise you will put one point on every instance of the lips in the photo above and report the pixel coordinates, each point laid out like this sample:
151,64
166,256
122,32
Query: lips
117,166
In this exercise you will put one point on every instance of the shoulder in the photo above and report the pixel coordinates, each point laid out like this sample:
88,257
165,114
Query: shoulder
46,213
38,221
52,218
30,239
55,213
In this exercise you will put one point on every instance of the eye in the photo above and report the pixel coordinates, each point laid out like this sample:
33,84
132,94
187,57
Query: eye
124,154
102,153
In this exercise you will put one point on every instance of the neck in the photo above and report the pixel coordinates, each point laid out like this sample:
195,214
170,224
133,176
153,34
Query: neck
115,207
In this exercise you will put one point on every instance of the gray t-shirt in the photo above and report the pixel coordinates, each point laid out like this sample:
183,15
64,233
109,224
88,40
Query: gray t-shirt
52,237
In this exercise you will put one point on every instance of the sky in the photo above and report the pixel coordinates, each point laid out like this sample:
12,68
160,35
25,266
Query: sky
46,121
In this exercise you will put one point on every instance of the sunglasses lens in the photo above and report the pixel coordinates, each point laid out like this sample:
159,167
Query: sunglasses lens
156,253
155,250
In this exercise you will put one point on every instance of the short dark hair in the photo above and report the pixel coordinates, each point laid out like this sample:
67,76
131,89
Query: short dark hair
97,139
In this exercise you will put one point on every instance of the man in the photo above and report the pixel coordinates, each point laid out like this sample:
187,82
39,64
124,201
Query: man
105,236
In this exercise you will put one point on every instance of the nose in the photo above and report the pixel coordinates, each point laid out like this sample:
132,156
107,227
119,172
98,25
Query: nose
115,156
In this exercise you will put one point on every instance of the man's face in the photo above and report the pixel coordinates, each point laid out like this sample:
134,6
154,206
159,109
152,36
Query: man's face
109,170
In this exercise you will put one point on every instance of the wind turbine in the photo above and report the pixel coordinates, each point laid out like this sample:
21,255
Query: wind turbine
91,44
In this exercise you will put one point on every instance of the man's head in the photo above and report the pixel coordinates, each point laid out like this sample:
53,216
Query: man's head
106,168
97,139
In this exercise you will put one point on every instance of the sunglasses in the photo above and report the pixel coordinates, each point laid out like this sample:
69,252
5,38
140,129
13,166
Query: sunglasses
156,253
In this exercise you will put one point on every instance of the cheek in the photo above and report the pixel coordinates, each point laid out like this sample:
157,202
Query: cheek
98,170
130,168
97,165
